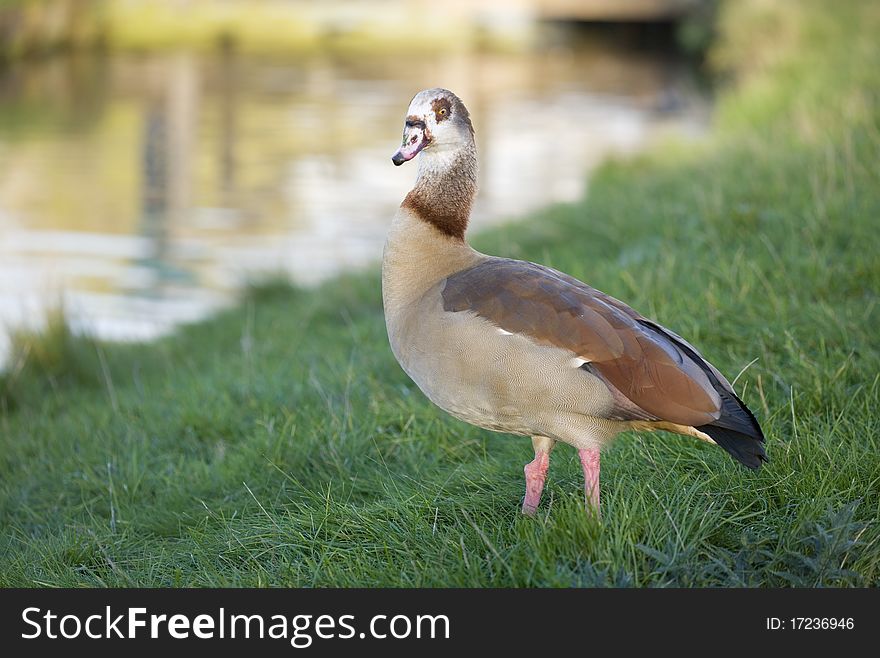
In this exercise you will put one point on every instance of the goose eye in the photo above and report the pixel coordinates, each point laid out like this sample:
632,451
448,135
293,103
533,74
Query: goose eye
442,112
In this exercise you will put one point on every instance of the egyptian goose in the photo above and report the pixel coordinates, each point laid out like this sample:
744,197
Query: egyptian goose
516,347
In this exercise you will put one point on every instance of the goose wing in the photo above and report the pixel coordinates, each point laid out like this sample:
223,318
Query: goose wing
651,374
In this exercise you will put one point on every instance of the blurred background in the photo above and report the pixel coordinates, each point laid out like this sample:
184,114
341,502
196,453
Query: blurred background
156,156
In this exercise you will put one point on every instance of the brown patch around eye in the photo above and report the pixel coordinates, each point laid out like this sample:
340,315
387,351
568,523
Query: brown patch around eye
442,109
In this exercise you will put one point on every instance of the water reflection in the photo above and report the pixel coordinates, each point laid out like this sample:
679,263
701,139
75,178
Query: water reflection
142,191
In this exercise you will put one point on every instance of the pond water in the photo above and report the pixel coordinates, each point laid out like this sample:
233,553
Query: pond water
141,192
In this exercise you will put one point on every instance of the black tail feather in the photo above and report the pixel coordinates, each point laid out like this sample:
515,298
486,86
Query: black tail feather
737,430
745,449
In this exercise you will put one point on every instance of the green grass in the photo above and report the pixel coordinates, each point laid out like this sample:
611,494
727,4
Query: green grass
280,444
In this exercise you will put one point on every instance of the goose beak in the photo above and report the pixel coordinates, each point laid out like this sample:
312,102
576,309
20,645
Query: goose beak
415,138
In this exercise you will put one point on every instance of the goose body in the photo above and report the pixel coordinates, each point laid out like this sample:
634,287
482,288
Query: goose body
516,347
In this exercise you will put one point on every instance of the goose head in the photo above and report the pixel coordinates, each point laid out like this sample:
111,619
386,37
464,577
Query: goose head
436,120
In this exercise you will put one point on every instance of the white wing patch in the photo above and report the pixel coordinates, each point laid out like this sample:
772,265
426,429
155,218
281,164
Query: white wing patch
577,362
503,332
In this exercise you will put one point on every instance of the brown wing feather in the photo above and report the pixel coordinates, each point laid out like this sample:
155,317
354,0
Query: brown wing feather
640,364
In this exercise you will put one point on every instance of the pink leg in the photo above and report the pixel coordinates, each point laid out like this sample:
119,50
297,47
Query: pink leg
536,473
590,462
